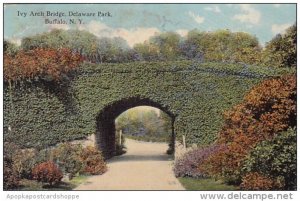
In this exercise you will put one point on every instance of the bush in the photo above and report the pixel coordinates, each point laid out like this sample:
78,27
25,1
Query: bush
187,165
73,159
256,181
267,109
23,162
47,172
10,177
70,158
67,157
276,158
93,161
43,155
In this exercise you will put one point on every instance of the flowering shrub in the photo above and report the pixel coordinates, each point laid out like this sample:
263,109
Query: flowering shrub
47,172
187,165
256,181
267,109
93,161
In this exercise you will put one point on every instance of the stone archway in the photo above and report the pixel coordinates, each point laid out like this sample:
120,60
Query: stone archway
196,93
105,129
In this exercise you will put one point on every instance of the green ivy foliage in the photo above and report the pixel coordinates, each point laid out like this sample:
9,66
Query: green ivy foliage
40,113
276,158
35,116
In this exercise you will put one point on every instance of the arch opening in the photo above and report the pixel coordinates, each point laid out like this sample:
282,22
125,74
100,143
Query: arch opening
106,128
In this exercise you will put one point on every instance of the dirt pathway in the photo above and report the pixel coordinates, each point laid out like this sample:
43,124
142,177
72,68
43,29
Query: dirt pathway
145,166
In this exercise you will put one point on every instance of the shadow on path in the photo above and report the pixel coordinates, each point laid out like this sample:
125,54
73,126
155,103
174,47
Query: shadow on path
133,157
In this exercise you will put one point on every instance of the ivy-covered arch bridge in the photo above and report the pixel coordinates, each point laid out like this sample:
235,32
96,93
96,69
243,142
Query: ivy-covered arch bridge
195,95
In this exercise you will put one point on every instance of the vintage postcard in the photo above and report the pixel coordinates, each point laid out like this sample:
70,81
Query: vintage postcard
150,97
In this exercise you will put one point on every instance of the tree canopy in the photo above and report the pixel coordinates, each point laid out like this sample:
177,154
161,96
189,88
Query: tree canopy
281,51
46,63
94,49
208,46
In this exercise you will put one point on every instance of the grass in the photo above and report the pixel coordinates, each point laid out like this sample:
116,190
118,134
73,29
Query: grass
32,185
76,181
205,185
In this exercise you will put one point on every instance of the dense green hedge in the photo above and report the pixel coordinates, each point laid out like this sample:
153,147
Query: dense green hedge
41,113
38,117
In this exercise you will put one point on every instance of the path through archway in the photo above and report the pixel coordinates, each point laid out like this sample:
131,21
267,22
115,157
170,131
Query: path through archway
146,167
106,132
